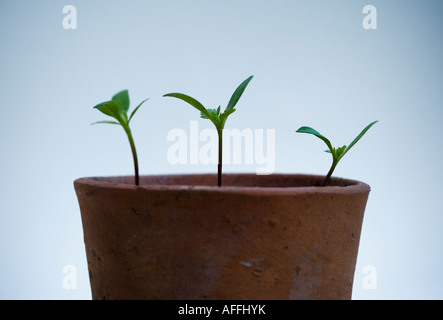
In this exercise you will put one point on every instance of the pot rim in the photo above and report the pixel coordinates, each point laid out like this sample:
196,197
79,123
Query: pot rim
341,185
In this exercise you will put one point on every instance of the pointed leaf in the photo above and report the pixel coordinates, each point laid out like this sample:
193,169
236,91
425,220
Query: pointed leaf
196,104
112,109
358,137
135,110
193,102
122,99
237,94
309,130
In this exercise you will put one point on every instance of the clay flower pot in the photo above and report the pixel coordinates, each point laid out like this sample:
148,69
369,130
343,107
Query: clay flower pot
257,237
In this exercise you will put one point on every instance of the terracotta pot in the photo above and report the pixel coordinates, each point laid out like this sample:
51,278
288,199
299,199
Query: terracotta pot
257,237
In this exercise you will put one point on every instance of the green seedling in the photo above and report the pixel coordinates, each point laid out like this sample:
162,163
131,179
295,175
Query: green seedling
217,118
337,153
117,108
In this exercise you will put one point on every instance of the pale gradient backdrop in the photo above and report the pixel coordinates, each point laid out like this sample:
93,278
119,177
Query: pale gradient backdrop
314,64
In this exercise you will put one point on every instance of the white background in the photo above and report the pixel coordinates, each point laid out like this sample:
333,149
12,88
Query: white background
314,64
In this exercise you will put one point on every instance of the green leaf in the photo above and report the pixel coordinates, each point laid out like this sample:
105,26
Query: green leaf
237,94
358,137
193,102
112,109
309,130
122,99
108,122
135,110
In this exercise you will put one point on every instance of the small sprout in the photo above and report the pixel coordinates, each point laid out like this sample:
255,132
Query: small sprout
337,153
117,108
217,118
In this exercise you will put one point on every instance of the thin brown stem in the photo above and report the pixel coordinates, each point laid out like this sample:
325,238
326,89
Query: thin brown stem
220,156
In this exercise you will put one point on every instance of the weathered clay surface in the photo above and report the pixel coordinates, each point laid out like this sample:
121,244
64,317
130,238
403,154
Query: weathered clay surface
257,237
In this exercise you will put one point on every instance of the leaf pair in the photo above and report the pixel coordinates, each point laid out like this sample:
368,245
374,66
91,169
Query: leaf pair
118,108
217,118
337,153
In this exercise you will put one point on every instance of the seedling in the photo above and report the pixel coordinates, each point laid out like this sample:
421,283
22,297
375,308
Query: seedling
337,153
217,118
118,108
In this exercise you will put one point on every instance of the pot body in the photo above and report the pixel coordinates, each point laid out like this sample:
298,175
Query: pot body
257,237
